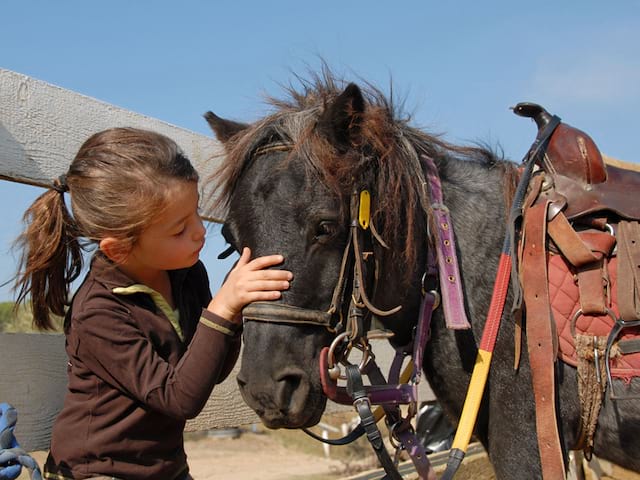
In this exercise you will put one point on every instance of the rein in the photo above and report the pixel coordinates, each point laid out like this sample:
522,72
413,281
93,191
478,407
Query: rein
353,332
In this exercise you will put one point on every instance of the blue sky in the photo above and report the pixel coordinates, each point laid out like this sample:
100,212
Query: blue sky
459,66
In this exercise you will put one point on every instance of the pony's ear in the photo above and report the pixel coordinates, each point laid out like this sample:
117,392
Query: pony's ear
341,120
224,129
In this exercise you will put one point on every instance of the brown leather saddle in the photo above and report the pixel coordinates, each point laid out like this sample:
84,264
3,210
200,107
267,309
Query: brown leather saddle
579,269
580,173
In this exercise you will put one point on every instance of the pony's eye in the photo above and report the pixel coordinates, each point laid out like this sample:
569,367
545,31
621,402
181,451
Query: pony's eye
326,230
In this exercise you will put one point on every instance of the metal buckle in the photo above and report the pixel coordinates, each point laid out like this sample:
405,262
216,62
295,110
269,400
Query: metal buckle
335,371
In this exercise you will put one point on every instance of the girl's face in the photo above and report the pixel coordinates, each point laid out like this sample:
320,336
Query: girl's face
175,236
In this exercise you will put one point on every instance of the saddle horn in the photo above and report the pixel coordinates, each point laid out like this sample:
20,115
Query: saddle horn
534,111
570,151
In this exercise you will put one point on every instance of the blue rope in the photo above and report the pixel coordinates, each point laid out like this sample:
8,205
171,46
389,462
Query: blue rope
12,457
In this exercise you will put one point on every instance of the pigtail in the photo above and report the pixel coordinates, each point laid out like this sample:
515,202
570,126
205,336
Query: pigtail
51,256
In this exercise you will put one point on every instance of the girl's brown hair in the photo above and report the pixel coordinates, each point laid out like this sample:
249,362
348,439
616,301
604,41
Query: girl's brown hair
117,184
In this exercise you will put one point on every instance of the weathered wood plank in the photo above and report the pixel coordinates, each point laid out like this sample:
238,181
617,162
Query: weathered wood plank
33,379
42,126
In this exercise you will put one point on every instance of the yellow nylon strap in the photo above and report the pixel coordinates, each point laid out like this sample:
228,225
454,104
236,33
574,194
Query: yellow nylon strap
472,401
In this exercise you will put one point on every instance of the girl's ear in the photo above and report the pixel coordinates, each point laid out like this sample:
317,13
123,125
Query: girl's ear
116,250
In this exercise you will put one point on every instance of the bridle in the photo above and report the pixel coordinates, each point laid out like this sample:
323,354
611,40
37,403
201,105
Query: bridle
352,259
352,331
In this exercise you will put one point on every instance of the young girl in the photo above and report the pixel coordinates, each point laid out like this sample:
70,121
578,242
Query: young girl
145,340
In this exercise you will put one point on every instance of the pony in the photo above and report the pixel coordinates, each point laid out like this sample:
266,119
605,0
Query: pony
285,186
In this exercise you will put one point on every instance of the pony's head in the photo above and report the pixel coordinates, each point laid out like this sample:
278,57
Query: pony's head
291,183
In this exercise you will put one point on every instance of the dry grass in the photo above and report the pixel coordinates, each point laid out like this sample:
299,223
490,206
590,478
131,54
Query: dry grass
20,321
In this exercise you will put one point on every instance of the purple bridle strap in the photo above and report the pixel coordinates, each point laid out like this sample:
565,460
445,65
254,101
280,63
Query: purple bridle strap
418,345
408,437
450,281
418,454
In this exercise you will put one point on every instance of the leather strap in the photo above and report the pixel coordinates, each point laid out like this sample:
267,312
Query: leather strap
586,251
450,280
362,405
402,430
629,346
535,185
541,340
352,436
593,298
629,270
569,243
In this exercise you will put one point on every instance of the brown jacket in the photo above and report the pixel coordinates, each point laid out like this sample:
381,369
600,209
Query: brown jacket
132,381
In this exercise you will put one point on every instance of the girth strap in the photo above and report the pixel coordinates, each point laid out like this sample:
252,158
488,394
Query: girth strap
541,340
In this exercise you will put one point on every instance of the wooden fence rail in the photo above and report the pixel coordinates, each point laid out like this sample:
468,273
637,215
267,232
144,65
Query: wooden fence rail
42,126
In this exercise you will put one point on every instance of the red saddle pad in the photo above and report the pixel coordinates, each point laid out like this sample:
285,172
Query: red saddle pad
565,302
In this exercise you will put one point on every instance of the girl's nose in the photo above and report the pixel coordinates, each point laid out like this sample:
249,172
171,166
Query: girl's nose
199,231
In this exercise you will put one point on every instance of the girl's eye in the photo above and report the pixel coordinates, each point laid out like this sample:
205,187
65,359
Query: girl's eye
182,230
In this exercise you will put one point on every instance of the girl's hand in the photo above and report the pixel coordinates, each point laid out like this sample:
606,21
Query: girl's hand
249,281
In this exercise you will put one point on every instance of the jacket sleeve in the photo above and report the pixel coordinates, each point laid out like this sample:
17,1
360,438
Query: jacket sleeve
231,359
111,344
198,282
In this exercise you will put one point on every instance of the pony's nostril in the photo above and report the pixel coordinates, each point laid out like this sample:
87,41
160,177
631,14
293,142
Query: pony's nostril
292,390
290,374
292,381
286,387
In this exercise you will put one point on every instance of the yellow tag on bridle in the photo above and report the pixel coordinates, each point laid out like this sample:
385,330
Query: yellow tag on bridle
364,212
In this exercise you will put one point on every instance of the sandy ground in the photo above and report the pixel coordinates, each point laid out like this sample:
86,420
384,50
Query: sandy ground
253,456
293,456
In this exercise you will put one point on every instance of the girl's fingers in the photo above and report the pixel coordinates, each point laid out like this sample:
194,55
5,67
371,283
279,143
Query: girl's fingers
266,285
260,262
266,295
272,275
267,261
245,257
266,280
